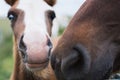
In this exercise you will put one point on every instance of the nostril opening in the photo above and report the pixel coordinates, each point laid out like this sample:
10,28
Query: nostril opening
83,54
24,56
49,43
22,48
53,61
76,63
22,44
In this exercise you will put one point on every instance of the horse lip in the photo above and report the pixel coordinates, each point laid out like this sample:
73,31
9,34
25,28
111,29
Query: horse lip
37,65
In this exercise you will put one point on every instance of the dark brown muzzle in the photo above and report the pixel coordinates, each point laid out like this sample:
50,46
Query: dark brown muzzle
77,59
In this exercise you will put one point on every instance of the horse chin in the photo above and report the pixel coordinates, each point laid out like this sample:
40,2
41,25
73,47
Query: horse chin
36,67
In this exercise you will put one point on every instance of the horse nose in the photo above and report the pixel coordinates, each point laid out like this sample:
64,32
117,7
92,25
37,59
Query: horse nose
22,48
49,43
78,62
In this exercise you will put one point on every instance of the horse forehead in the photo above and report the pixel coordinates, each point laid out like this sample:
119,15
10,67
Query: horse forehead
34,11
32,6
34,14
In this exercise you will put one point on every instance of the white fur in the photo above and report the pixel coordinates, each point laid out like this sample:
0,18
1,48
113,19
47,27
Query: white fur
34,19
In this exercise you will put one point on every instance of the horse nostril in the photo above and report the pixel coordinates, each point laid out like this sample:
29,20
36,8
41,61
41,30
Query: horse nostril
77,62
49,43
22,48
22,44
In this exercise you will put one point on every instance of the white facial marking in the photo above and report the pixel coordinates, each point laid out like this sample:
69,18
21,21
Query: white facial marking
34,20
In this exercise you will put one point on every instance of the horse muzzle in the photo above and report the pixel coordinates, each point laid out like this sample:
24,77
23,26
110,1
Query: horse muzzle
35,54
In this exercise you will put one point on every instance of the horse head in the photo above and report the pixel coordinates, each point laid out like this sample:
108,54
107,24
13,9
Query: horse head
89,48
31,22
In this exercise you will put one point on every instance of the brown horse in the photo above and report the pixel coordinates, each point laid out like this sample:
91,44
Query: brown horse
89,49
31,24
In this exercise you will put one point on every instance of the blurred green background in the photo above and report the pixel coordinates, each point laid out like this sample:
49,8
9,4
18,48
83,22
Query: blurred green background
6,60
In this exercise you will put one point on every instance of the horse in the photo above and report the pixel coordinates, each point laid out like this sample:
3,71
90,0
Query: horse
89,48
31,23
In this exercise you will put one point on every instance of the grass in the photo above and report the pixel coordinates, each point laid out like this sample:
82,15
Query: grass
61,30
6,60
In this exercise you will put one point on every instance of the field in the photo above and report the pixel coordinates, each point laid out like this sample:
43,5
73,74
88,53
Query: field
6,60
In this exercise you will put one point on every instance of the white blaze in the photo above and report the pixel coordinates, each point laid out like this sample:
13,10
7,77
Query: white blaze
34,20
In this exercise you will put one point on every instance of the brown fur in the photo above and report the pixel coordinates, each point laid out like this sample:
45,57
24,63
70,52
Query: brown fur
89,49
51,2
11,2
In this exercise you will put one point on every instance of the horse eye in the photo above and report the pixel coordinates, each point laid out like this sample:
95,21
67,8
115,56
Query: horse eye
11,17
52,16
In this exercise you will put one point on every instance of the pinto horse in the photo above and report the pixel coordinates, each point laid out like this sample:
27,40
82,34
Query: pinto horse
31,23
89,48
